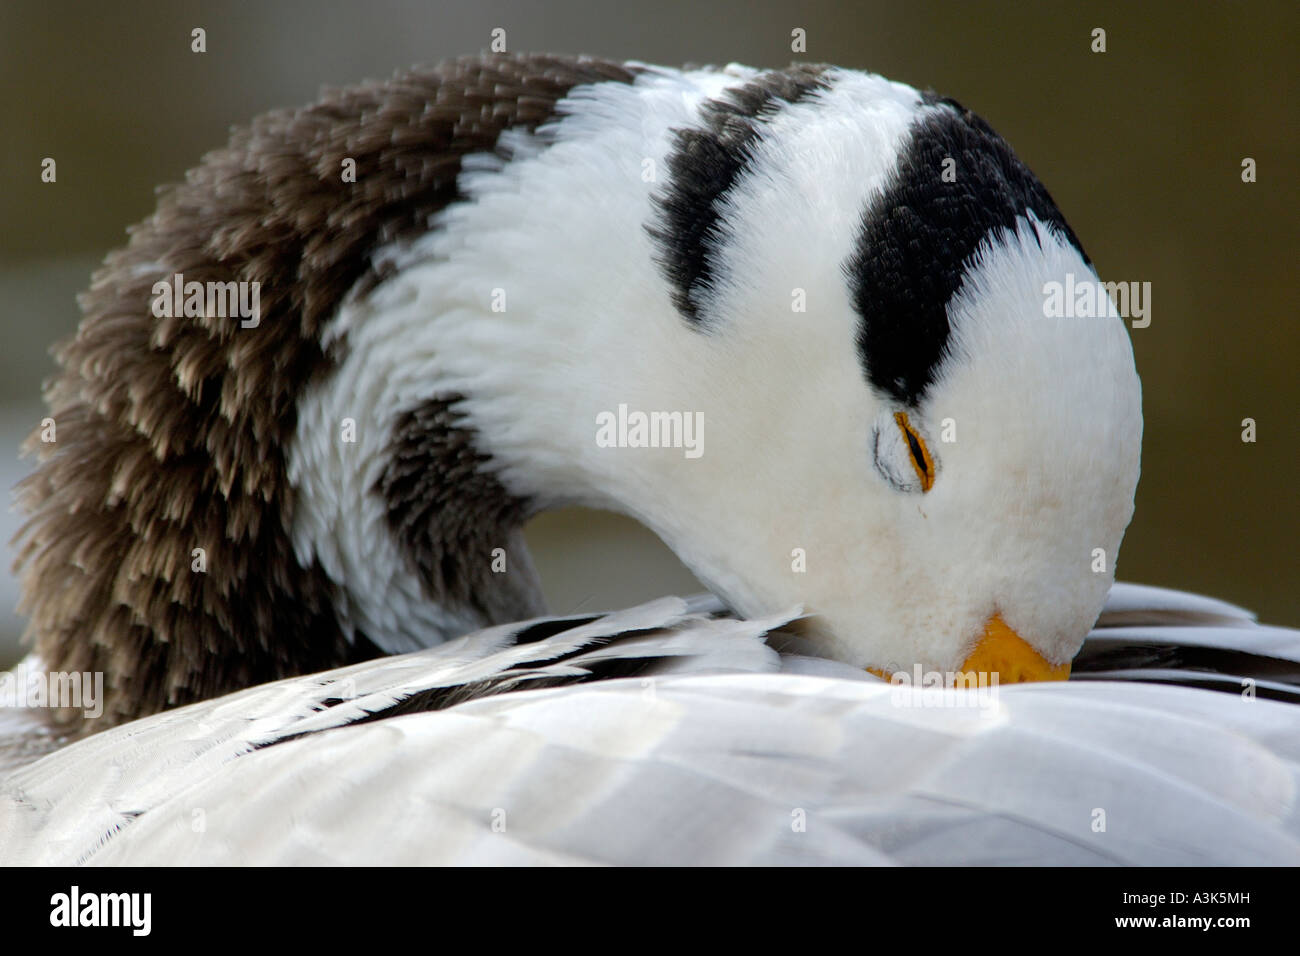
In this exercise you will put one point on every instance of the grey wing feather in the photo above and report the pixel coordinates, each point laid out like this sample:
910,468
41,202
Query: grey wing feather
1144,604
1160,636
758,768
668,734
63,806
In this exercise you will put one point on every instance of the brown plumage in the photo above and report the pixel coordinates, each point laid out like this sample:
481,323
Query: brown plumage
449,513
171,432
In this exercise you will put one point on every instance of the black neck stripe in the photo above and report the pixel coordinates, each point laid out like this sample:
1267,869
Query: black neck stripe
703,166
919,235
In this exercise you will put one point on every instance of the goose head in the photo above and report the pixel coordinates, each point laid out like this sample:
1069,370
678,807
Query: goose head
959,517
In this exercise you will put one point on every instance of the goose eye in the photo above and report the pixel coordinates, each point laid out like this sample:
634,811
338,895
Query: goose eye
921,459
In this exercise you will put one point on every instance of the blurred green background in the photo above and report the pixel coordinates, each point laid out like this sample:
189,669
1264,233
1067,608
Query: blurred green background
1141,147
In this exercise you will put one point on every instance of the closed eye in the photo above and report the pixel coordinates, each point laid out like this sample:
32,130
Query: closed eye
921,459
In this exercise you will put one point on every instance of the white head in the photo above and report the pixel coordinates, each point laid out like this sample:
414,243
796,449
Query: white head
1010,499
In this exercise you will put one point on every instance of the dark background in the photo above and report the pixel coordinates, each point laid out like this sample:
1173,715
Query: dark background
1140,146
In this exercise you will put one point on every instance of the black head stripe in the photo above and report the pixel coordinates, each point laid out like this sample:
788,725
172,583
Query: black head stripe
919,235
705,163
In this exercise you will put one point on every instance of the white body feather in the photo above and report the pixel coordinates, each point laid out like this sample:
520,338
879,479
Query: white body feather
735,755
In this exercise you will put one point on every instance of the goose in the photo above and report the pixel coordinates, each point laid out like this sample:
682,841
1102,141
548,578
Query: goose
790,320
